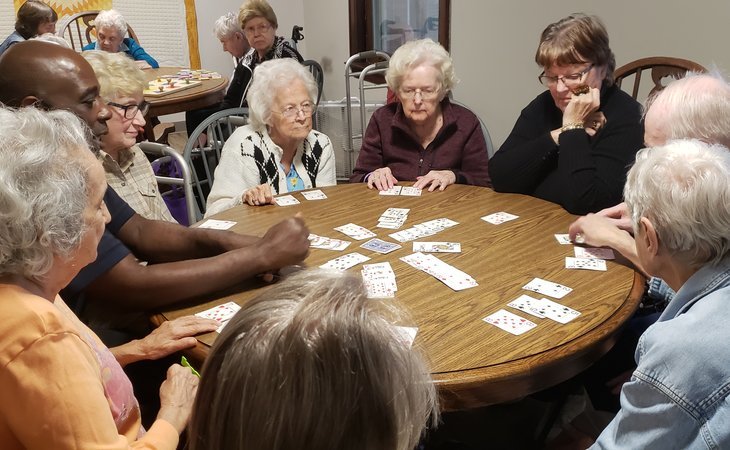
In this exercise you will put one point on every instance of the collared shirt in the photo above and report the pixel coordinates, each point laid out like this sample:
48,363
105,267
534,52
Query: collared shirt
293,181
133,179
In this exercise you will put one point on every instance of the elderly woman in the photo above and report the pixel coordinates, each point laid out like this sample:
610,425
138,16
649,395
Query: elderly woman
61,387
423,137
110,31
34,18
312,350
679,395
278,151
127,168
573,144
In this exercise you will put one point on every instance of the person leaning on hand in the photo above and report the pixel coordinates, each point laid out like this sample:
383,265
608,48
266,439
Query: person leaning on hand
422,137
574,143
277,152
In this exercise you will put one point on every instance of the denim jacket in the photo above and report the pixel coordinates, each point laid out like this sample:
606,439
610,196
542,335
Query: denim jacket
679,395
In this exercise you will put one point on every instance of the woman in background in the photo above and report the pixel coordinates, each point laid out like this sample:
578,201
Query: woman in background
110,31
34,18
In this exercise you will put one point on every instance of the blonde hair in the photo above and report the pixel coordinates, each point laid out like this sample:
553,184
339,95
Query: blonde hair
413,54
118,75
257,8
312,364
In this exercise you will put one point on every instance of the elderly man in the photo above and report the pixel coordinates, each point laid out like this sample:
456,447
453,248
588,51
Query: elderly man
183,262
678,198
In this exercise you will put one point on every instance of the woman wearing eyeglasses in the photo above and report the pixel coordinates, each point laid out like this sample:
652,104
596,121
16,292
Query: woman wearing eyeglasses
574,143
127,169
277,152
422,137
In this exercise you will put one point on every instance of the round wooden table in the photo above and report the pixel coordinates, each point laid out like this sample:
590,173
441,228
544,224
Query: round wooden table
208,93
473,363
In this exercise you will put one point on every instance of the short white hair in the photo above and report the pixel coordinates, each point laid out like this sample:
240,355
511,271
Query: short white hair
422,52
43,188
683,188
226,26
268,78
53,39
111,18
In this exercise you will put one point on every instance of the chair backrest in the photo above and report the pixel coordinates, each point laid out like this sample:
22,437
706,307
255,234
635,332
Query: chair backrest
78,29
202,153
660,67
485,131
163,154
316,69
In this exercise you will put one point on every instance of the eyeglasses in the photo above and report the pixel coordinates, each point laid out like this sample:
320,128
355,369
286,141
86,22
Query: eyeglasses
131,110
570,81
426,93
292,111
259,29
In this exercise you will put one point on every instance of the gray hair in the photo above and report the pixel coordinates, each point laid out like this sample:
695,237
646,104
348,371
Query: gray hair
43,188
694,107
111,18
683,188
413,54
313,364
269,77
226,26
53,39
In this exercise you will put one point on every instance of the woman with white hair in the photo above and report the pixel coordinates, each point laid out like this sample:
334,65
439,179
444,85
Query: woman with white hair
61,387
678,196
312,364
277,152
110,31
422,137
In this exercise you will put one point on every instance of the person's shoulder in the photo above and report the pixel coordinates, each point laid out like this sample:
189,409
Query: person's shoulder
89,46
614,98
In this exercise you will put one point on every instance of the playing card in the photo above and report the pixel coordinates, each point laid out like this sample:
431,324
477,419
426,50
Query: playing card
563,239
217,224
585,263
380,246
545,287
594,253
525,303
499,218
344,262
555,311
395,212
437,247
410,191
326,243
447,274
409,234
221,313
395,190
314,195
286,200
407,334
509,322
355,231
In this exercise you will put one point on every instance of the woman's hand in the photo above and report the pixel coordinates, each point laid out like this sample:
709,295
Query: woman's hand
177,394
581,107
595,122
437,179
175,335
259,195
382,179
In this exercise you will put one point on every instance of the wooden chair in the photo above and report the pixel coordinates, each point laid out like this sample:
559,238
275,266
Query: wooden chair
78,29
661,67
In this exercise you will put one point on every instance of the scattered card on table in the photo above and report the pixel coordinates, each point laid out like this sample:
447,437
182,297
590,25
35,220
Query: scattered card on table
355,231
410,191
545,287
286,200
314,195
524,303
221,313
437,247
509,322
499,218
395,190
594,253
407,334
585,263
380,246
555,311
326,243
563,239
344,262
217,224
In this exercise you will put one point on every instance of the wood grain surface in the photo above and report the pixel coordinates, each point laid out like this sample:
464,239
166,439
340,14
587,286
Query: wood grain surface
473,363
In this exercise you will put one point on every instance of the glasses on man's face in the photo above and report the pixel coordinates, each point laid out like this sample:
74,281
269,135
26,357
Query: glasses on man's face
570,81
292,111
258,29
131,110
425,93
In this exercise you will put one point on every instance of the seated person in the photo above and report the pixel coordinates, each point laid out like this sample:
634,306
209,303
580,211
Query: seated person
34,18
258,24
110,31
422,137
574,143
184,263
679,395
277,151
128,171
311,351
61,387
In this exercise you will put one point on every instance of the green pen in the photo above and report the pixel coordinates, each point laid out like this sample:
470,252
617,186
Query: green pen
184,362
